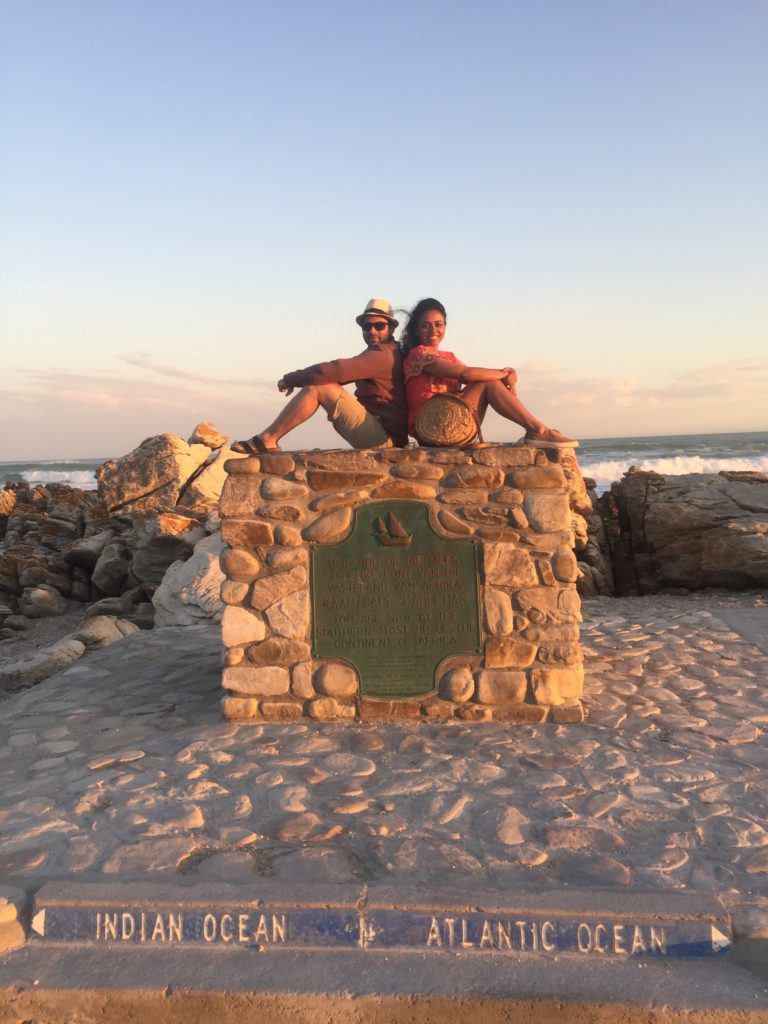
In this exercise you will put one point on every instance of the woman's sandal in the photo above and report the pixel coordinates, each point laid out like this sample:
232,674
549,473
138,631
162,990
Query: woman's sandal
554,440
253,446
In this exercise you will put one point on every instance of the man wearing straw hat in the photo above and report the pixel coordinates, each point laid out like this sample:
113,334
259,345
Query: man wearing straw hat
377,415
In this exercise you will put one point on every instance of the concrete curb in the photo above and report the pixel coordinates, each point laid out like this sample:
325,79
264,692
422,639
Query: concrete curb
116,977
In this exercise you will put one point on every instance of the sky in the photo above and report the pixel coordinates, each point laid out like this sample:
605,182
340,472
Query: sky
198,196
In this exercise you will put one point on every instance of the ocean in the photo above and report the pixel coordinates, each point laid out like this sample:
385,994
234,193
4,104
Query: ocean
604,459
608,458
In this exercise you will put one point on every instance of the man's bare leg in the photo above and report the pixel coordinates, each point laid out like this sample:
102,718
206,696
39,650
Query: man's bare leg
299,409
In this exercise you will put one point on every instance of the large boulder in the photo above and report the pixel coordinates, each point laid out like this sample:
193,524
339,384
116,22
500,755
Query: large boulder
205,433
692,531
151,477
160,540
111,570
17,675
202,492
102,630
191,591
7,501
593,550
84,553
42,602
37,569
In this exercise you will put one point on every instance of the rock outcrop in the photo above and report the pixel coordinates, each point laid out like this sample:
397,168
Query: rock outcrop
7,501
151,477
592,548
191,591
693,531
111,549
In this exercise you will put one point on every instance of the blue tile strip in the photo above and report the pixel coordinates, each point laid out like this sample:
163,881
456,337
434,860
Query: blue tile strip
265,928
377,929
543,936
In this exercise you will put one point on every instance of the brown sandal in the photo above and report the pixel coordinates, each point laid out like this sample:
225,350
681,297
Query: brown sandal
253,446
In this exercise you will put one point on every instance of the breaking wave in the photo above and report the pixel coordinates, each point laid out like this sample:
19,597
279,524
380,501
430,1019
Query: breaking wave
77,473
605,471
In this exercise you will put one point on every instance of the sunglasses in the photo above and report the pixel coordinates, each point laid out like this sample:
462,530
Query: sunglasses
375,325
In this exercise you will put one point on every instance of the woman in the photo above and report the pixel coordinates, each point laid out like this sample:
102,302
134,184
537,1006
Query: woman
430,372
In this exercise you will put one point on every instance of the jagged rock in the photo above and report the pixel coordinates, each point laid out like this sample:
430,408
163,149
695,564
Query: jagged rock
103,630
13,912
51,517
593,550
207,434
122,606
191,591
111,569
578,495
36,570
693,531
143,615
9,576
81,586
84,553
34,669
7,502
202,492
42,602
16,622
159,541
150,478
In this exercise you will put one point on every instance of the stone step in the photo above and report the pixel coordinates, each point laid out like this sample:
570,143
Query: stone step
267,916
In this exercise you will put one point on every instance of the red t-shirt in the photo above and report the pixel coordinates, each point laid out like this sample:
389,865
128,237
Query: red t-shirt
420,386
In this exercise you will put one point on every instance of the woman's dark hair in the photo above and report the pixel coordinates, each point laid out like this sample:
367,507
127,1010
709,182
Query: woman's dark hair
410,336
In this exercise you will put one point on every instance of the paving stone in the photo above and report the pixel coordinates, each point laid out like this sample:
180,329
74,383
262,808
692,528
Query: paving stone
514,805
580,837
598,871
229,866
348,764
297,827
321,864
149,856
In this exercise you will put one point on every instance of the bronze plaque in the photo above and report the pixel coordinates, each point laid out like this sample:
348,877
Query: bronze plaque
394,599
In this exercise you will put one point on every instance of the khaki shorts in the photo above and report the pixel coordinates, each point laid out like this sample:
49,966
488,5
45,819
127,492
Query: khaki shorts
356,425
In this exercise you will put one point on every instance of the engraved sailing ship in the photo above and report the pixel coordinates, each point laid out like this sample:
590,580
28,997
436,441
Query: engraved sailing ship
391,532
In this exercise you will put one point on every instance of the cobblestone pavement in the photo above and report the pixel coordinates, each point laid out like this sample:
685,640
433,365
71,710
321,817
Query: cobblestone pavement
121,767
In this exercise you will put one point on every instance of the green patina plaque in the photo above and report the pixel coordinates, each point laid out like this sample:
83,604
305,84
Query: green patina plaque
394,599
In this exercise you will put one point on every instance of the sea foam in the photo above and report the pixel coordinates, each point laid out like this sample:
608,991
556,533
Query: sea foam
604,472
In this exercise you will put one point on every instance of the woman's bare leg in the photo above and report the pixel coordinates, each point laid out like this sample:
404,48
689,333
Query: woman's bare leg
503,400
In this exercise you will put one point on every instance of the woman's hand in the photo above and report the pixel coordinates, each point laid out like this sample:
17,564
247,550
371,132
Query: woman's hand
282,386
509,379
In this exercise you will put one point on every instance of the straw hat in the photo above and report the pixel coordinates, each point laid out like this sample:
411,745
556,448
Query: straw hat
377,307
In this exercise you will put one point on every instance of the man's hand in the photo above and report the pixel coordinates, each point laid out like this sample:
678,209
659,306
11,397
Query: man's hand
282,386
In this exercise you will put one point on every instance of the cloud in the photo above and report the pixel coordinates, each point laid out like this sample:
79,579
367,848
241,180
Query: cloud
543,384
102,399
62,413
165,370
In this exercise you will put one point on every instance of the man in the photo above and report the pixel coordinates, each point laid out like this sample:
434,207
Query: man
377,417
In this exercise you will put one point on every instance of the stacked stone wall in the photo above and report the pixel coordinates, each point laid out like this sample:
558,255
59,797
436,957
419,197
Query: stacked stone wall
513,500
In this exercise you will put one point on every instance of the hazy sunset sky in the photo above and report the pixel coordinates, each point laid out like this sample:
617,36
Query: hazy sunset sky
196,197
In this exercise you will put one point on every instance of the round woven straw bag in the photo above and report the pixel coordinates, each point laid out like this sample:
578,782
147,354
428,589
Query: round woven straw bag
446,421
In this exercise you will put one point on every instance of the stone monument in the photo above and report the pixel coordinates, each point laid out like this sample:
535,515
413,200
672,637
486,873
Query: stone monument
423,584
